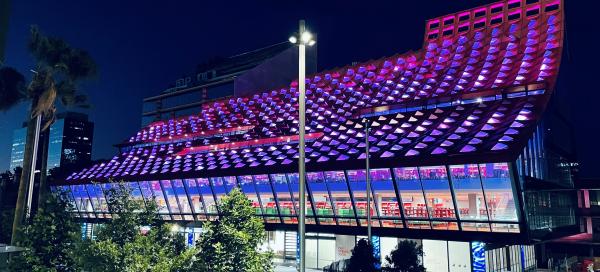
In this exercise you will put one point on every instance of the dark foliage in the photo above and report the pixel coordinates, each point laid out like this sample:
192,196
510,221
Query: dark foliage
405,258
50,239
362,259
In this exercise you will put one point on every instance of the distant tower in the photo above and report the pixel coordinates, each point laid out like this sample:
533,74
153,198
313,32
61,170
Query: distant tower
69,142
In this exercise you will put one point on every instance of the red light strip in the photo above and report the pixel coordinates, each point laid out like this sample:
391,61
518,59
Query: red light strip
201,134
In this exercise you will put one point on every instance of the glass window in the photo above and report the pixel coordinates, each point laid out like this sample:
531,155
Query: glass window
496,227
196,198
498,191
475,226
95,196
411,192
320,195
418,224
184,203
358,184
159,198
146,191
247,185
70,197
136,194
385,198
437,192
467,189
594,196
340,197
82,201
444,225
106,188
210,203
294,187
171,199
284,198
222,186
267,199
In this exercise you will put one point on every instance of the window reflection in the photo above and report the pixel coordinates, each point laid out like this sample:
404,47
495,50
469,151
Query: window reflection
69,194
284,198
184,203
496,227
95,196
267,199
159,198
498,191
171,199
483,193
357,180
437,192
294,187
82,201
106,188
411,192
385,197
136,194
207,195
418,224
467,189
320,195
340,197
195,198
247,186
472,226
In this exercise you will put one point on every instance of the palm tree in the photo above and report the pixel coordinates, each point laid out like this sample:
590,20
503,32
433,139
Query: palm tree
58,69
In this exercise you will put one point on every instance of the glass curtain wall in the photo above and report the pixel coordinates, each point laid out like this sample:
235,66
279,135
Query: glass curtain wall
469,197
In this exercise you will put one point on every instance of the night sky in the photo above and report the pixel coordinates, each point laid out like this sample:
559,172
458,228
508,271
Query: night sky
142,47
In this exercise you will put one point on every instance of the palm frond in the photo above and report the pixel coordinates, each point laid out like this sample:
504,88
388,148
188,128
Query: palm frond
56,53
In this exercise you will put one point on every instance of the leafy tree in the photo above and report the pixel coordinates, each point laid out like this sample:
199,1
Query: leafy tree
58,69
122,246
230,244
362,259
50,239
405,258
6,217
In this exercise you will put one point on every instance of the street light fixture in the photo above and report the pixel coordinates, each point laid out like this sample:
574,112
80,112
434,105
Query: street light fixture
367,123
303,39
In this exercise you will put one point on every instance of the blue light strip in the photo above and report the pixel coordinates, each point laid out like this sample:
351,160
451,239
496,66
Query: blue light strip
452,103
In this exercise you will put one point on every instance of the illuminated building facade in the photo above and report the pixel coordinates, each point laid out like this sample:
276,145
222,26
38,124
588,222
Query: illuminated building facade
455,146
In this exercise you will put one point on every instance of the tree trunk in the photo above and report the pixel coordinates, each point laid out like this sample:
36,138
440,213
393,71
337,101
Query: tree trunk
24,180
42,189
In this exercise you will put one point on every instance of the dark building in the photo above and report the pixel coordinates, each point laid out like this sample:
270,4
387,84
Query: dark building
69,142
72,139
242,74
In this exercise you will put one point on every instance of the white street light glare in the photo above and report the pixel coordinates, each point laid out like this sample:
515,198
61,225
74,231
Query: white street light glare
293,39
306,37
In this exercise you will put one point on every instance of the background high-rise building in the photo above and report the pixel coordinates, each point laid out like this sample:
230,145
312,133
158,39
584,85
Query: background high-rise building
242,74
69,142
18,147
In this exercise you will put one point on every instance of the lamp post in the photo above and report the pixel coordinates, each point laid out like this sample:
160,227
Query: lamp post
368,178
36,141
304,38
